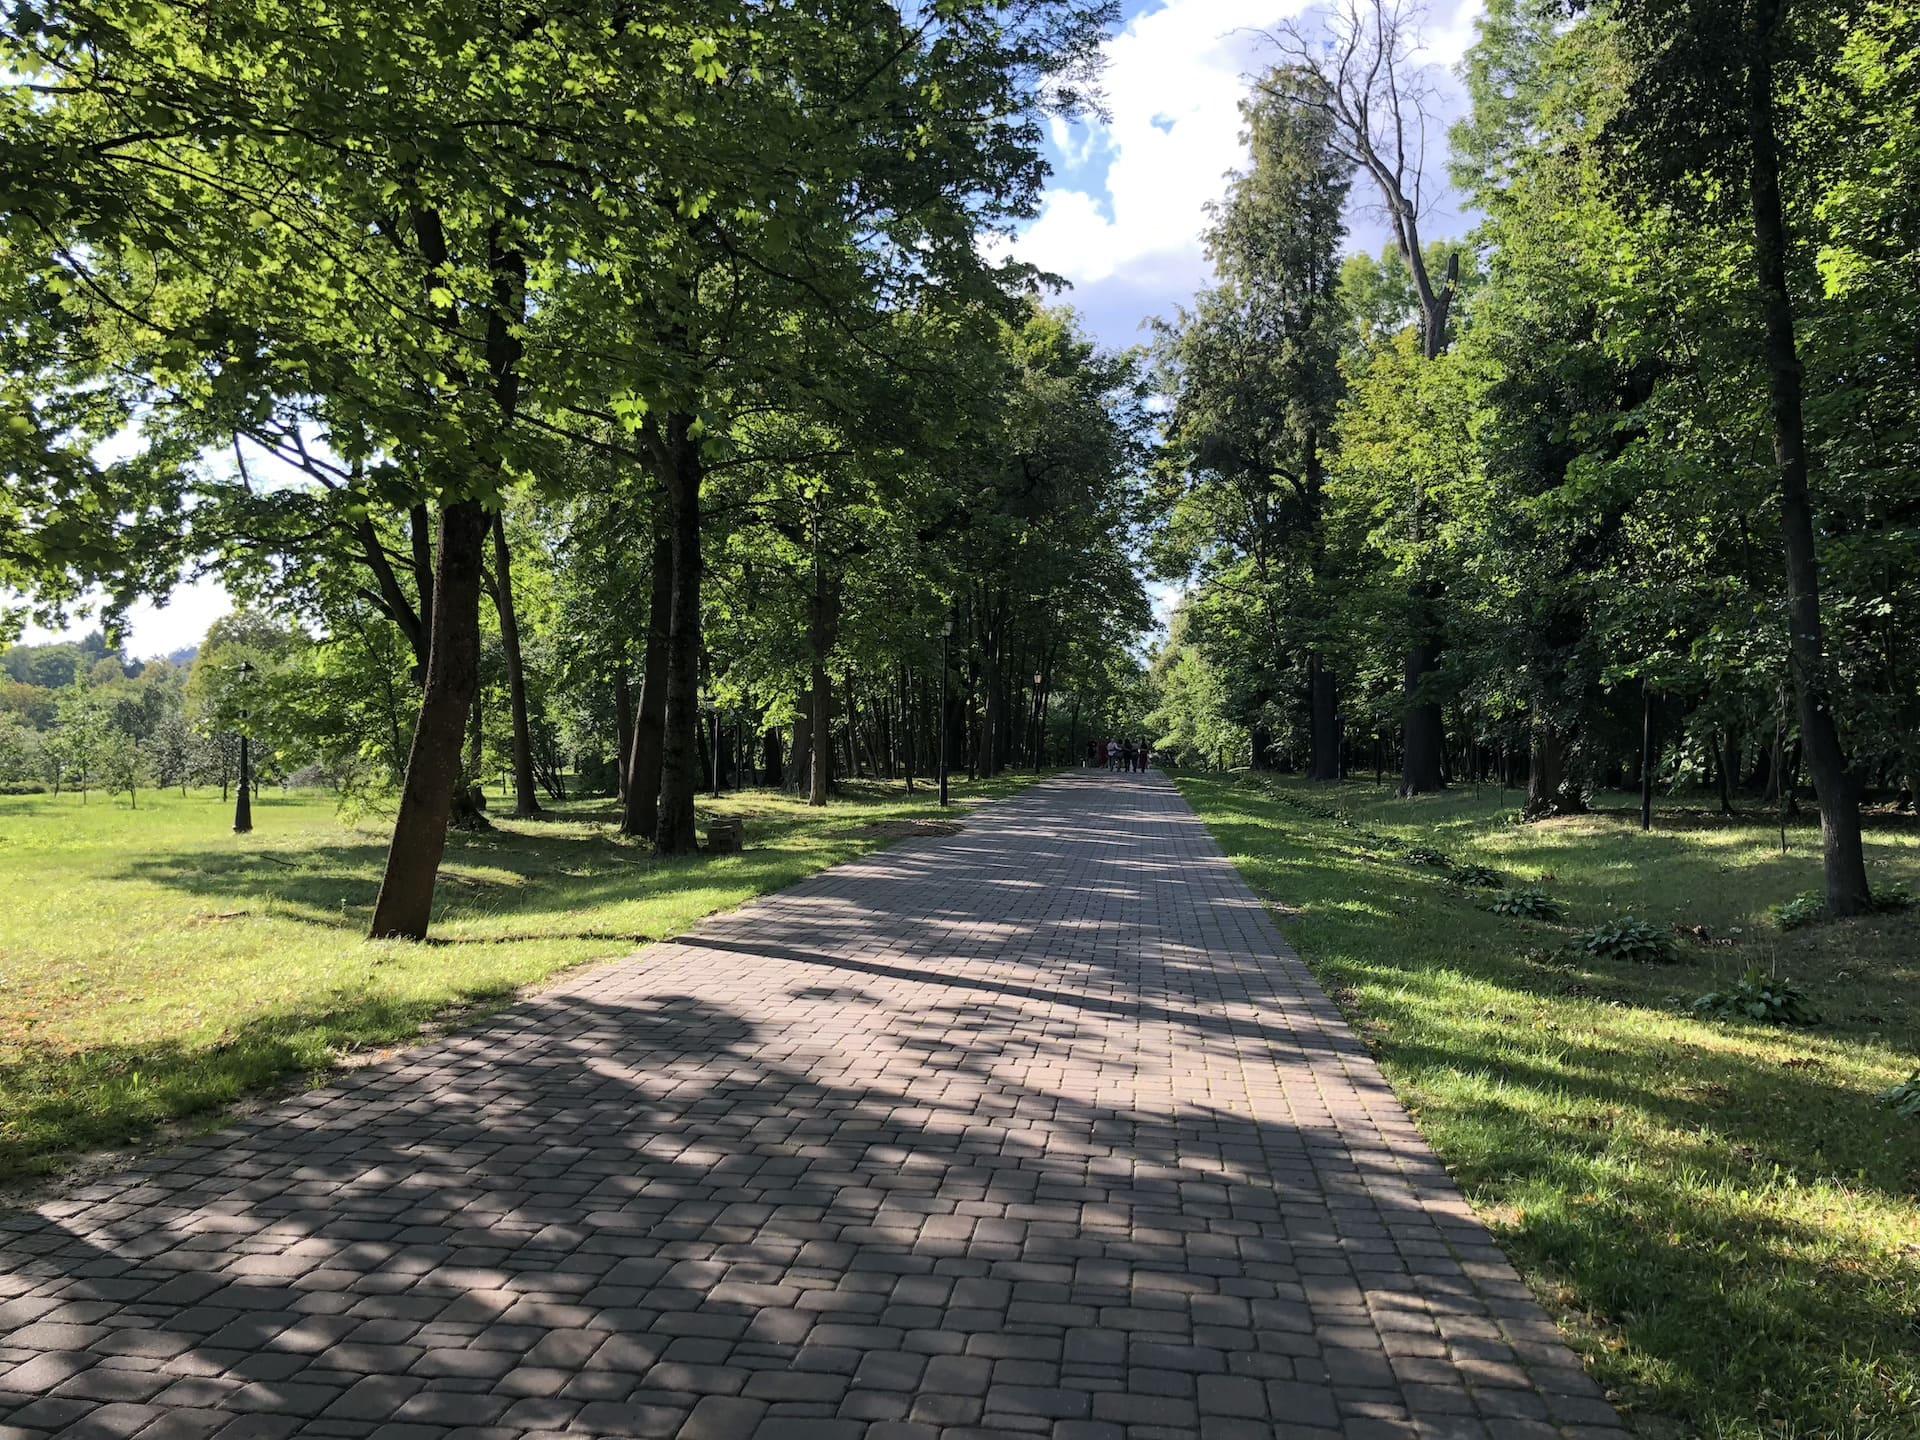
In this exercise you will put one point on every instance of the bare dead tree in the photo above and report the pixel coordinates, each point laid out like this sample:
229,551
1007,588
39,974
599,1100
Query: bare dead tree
1357,62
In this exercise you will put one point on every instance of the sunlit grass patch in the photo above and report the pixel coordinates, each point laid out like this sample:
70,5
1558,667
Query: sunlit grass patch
153,965
1722,1213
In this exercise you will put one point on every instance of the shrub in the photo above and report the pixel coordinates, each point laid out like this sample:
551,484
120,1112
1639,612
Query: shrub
1800,911
1756,996
1628,939
1892,900
1810,909
1479,877
1526,905
1428,856
1904,1097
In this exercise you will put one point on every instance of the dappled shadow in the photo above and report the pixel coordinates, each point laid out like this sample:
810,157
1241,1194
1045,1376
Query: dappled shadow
1728,1200
1379,894
659,1199
1042,1160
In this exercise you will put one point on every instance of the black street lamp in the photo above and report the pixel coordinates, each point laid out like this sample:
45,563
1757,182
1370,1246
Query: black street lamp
712,707
946,634
243,803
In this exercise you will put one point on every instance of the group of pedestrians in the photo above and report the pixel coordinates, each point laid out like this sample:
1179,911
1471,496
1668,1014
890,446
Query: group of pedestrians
1118,755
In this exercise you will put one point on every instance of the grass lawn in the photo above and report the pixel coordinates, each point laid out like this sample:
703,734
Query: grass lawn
154,965
1721,1214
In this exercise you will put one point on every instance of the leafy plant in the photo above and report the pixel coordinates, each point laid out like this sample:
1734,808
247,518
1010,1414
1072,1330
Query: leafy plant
1478,877
1626,938
1526,904
1428,856
1893,900
1757,996
1811,908
1904,1098
1800,911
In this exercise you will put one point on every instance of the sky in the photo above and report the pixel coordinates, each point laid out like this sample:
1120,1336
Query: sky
1123,212
1127,204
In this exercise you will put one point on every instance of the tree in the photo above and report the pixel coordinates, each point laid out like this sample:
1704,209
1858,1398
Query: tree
82,731
1360,71
19,752
1255,374
122,765
173,751
1698,125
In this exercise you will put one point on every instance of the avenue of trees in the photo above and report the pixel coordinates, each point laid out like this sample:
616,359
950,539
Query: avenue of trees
579,389
622,399
1623,489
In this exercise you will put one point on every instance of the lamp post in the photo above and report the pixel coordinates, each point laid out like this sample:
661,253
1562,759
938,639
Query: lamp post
243,803
713,743
1039,723
946,634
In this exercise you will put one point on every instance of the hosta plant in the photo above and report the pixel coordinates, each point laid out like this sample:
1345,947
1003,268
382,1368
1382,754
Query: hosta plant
1526,904
1904,1098
1628,939
1892,901
1428,856
1758,996
1810,909
1478,877
1800,911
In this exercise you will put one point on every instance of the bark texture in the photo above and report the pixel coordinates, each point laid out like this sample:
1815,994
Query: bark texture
674,828
641,809
1833,780
526,793
1323,720
405,903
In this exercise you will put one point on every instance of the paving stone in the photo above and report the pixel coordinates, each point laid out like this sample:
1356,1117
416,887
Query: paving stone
723,1417
1038,1129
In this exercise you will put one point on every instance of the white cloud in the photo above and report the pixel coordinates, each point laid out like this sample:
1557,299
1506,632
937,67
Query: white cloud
1174,80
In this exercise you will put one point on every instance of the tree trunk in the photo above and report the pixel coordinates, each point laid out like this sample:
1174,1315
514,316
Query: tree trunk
802,766
641,812
1647,755
674,828
823,628
1423,763
405,903
622,725
771,759
1260,743
1550,790
1833,780
1717,752
1323,720
526,793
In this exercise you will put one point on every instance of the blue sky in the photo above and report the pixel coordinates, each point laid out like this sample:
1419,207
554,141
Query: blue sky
1126,205
1125,208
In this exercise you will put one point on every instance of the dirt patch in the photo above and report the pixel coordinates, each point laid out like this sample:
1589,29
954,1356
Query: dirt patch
908,829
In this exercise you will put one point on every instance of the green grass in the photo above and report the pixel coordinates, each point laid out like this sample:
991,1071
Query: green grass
155,966
1721,1214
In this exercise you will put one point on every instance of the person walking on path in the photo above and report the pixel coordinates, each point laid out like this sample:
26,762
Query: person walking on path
1127,756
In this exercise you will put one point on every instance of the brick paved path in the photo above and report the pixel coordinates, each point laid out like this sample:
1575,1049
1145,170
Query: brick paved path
1034,1130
